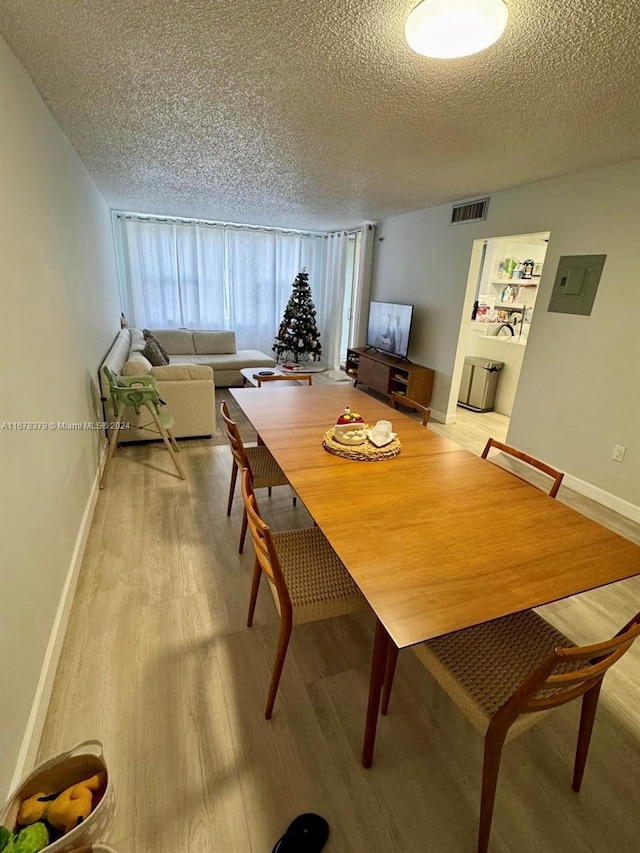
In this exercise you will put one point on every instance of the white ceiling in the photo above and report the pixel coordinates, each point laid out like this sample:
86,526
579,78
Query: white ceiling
315,113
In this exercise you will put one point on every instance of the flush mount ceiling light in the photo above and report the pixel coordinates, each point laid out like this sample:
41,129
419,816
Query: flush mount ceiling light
445,29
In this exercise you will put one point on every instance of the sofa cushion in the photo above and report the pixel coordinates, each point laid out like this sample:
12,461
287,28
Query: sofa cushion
119,352
114,360
214,342
153,352
137,340
180,372
148,336
175,341
137,365
228,361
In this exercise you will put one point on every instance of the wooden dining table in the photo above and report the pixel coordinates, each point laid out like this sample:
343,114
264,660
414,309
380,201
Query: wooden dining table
437,539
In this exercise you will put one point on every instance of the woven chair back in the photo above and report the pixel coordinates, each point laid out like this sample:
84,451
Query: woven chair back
263,544
234,438
568,673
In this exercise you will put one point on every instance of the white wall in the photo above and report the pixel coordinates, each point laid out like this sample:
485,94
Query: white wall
579,393
511,355
60,310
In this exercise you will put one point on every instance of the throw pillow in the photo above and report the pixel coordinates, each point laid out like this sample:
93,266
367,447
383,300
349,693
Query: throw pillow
154,354
148,336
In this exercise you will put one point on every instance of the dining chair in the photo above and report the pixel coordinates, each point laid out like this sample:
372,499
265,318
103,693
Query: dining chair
264,469
138,392
396,400
306,578
277,377
529,460
505,673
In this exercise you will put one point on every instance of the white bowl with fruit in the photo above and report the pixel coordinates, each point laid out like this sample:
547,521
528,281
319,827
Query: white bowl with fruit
350,433
350,428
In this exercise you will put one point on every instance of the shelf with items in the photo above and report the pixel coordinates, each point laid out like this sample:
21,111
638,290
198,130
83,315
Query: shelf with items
511,315
516,307
351,364
403,380
512,269
517,297
398,384
508,286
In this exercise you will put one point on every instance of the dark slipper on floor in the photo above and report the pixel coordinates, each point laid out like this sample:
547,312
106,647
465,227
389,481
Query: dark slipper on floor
308,833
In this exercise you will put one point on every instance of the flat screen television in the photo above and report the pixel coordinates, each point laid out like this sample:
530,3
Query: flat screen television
389,327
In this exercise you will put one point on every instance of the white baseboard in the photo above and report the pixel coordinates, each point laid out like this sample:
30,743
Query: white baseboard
35,724
625,508
442,418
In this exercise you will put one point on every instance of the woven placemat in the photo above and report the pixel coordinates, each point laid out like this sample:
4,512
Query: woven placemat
365,452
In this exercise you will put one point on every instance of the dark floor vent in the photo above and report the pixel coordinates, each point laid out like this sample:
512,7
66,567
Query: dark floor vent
470,211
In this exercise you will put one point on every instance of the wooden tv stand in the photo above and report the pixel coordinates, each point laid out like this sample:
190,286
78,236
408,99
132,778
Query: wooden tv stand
389,374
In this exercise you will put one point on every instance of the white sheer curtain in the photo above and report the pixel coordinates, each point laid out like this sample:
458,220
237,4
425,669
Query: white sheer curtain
331,299
176,273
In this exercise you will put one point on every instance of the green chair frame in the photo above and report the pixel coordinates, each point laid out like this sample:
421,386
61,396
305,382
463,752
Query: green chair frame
138,392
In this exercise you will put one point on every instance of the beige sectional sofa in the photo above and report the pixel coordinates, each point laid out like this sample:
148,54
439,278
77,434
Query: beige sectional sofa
198,361
215,348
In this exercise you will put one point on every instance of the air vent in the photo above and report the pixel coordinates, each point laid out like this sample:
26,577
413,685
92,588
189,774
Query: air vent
470,211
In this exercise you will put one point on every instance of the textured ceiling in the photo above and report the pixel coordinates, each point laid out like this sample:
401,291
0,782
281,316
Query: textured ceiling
317,114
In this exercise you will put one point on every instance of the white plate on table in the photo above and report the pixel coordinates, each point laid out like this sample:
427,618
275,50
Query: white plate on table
377,441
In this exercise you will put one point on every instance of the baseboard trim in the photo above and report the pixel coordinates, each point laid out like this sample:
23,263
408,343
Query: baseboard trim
595,493
442,418
35,724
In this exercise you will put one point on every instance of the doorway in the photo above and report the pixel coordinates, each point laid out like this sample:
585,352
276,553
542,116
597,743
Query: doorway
503,282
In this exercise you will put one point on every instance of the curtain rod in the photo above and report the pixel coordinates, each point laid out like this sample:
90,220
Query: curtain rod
141,217
211,224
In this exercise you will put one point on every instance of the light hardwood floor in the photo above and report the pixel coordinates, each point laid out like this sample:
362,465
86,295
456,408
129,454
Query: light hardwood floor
472,429
158,664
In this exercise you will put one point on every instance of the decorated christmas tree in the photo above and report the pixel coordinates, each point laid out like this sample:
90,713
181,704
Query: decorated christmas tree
298,338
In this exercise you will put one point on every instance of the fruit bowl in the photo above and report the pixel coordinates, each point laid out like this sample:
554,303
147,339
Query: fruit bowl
349,417
353,433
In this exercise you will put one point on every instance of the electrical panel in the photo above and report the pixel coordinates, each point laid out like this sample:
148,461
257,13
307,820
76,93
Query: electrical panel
576,284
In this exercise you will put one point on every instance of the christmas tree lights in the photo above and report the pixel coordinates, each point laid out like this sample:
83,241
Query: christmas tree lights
298,338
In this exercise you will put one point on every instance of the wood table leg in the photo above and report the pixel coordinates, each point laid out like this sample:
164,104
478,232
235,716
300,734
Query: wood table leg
378,665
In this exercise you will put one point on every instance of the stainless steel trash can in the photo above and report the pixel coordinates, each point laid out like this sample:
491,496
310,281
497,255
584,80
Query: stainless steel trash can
479,383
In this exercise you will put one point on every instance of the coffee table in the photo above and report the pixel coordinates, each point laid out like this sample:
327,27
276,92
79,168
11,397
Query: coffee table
250,376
